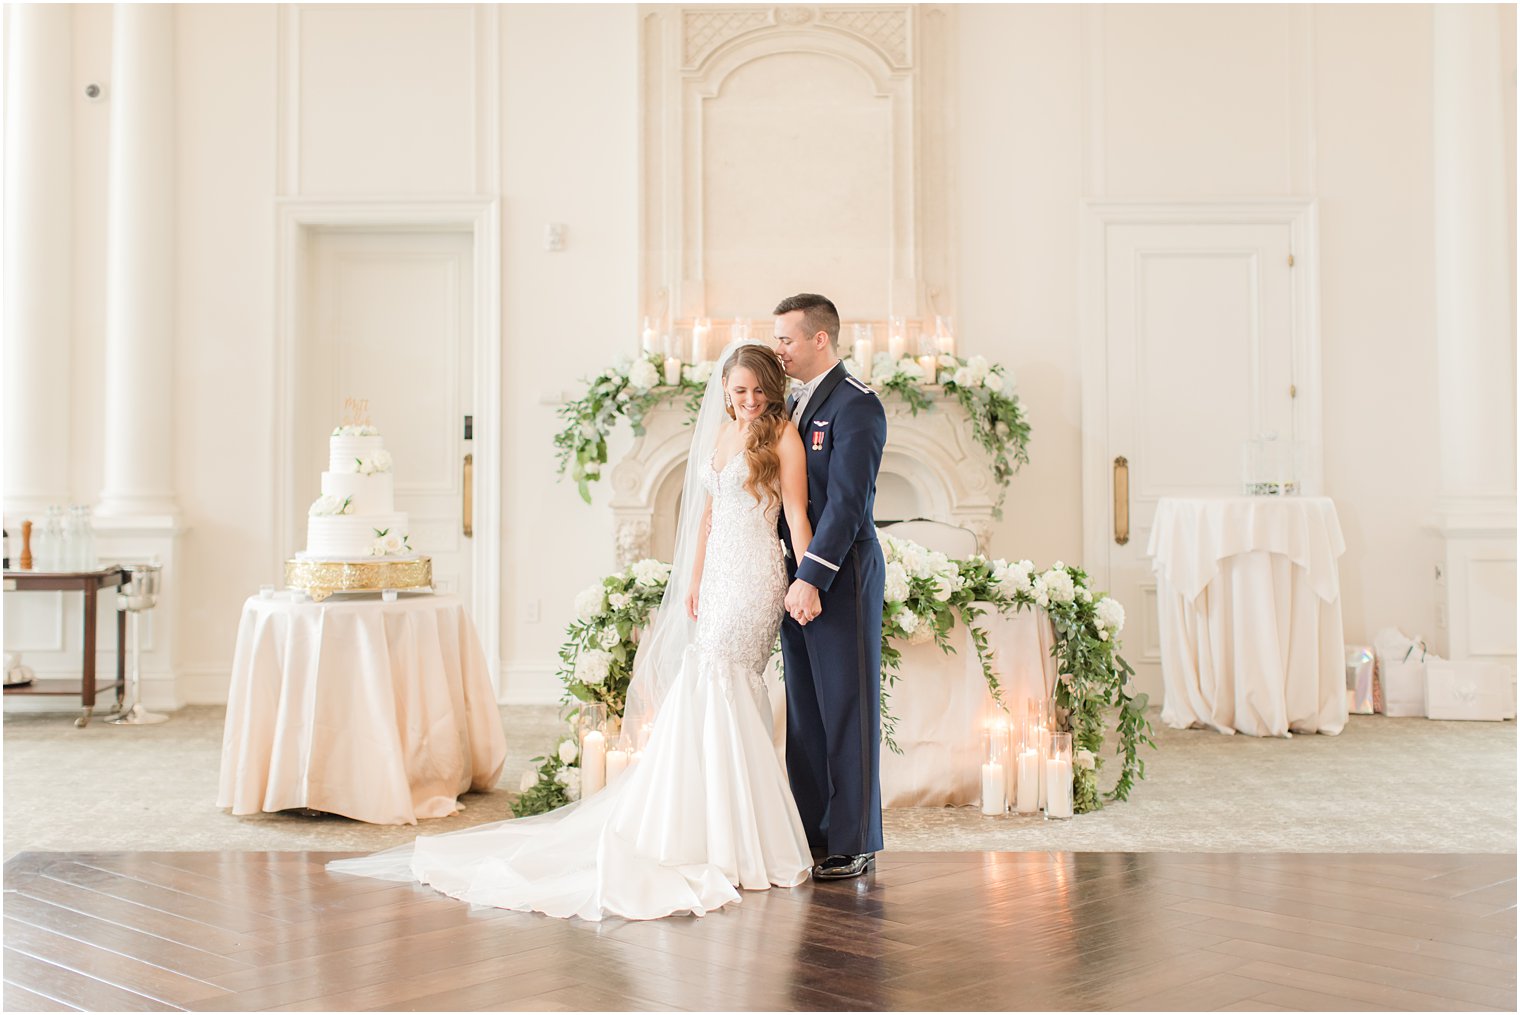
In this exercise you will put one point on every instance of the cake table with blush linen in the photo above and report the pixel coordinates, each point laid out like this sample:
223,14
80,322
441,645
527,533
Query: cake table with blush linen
384,712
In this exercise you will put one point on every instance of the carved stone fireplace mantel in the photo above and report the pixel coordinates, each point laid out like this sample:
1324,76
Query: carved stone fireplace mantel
932,468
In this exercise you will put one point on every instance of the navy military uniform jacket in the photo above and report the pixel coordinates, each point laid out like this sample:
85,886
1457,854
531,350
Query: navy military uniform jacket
833,664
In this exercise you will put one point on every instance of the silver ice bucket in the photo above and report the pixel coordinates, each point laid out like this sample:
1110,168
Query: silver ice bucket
140,590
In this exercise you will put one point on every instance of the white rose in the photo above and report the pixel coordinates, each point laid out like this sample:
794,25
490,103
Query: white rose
1110,614
896,583
620,364
1085,759
1103,636
381,460
394,542
609,638
589,602
568,752
978,367
964,377
618,600
1084,595
566,776
642,375
326,504
994,382
590,432
592,666
944,588
948,361
528,781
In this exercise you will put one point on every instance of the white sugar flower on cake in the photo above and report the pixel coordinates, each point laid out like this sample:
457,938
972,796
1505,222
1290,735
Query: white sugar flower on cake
356,431
331,504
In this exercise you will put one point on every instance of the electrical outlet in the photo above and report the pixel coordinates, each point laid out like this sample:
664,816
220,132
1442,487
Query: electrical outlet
533,611
1440,616
554,237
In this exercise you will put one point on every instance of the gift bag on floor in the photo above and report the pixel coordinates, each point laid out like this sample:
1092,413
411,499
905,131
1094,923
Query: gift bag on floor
1401,668
1361,670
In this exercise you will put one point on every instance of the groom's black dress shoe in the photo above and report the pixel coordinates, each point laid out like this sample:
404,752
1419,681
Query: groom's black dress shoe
842,866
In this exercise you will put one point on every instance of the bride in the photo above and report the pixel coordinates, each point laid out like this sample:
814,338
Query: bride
708,809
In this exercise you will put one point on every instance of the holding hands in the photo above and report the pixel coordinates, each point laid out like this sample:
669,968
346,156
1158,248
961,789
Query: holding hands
802,603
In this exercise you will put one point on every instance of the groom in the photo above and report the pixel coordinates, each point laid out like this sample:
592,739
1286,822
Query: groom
831,636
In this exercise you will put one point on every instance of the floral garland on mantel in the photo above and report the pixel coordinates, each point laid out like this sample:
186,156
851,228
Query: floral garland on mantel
630,388
926,594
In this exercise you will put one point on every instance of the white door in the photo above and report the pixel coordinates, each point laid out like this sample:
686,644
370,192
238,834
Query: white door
390,319
1198,339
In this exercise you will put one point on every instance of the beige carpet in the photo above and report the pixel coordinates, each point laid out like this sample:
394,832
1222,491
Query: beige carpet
1385,785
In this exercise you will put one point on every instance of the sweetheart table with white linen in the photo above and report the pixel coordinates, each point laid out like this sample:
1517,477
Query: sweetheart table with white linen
942,705
1248,596
380,711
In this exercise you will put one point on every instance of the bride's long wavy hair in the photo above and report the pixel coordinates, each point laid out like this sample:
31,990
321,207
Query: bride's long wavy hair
760,444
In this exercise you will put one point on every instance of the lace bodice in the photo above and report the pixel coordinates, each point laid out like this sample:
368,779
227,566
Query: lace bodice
743,574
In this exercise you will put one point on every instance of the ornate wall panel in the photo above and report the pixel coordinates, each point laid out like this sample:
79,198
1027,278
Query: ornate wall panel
791,148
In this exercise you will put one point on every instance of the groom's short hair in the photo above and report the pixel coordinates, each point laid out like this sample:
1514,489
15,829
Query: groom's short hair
818,312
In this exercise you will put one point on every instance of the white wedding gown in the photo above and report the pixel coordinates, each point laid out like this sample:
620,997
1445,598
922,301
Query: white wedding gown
708,808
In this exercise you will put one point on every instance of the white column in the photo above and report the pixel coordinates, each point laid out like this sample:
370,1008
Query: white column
139,477
38,295
1475,332
1474,267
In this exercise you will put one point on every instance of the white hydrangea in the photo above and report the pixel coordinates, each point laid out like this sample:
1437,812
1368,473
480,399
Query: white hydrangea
896,583
1084,595
1012,579
528,781
964,377
1037,590
650,572
573,791
568,751
618,600
589,602
697,373
567,776
994,382
642,375
1110,614
609,637
1058,585
908,621
592,666
978,367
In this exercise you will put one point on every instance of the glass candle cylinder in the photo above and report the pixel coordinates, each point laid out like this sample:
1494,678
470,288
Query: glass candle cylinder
619,757
897,336
591,732
944,335
995,770
649,337
1058,804
701,329
1026,784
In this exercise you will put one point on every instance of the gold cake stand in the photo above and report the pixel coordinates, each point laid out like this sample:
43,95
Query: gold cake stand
321,578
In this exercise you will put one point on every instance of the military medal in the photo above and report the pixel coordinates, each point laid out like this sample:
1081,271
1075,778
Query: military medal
817,440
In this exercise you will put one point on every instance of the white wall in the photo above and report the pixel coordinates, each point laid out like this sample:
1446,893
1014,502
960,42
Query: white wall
1196,102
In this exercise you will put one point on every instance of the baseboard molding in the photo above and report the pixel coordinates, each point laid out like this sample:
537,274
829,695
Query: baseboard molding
205,685
530,684
160,693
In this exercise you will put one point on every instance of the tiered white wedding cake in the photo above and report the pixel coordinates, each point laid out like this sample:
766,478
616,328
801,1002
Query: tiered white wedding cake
356,516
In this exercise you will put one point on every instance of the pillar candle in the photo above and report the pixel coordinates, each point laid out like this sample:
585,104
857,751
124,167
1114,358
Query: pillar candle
994,789
1028,801
947,344
651,340
1058,788
864,353
593,763
672,370
897,344
930,367
617,762
1044,753
699,332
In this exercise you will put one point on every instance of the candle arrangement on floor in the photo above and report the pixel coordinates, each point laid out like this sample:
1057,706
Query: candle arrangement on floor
591,735
1027,767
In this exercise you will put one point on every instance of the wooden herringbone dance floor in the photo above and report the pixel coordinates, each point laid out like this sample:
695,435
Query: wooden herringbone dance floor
251,931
